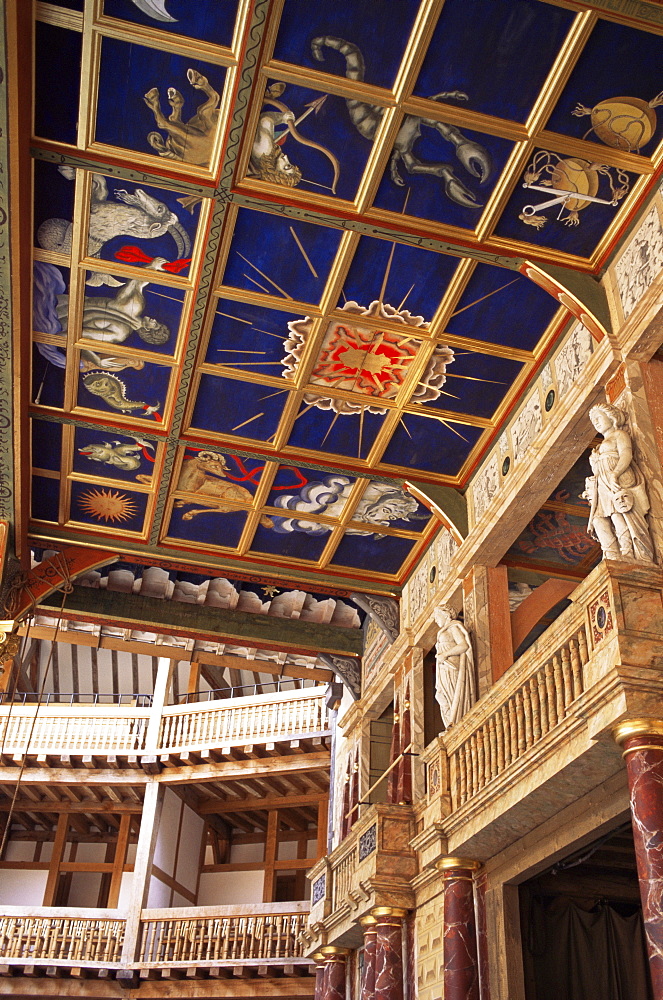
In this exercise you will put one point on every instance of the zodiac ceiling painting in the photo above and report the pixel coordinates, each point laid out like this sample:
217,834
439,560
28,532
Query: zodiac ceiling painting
279,260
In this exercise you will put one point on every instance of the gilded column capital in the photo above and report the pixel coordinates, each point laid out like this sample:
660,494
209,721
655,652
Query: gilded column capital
449,864
368,921
318,958
637,727
384,912
332,953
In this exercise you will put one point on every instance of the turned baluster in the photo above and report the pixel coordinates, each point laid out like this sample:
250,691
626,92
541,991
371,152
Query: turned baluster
467,757
492,734
582,643
474,763
499,730
527,711
536,708
550,693
481,757
559,687
462,774
506,737
513,728
540,682
520,721
567,676
576,667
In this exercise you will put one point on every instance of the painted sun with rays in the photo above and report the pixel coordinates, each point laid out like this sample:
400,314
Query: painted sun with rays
108,505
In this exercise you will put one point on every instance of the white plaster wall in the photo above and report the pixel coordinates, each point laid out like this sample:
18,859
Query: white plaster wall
159,894
164,851
91,852
23,888
224,888
241,853
84,889
19,850
188,858
126,885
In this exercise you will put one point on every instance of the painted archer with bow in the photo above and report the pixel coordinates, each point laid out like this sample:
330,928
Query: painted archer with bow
269,162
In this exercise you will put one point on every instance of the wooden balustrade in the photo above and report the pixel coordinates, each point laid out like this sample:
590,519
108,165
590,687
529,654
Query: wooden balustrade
532,698
61,940
269,935
342,873
77,729
72,729
255,719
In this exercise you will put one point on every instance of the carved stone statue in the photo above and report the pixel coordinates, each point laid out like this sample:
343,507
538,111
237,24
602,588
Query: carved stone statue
455,690
617,492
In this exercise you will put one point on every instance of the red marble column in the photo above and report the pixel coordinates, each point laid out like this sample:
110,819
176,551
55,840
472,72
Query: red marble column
642,740
461,968
334,976
388,952
320,966
368,975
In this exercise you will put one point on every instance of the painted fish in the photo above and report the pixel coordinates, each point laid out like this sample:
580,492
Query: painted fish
113,391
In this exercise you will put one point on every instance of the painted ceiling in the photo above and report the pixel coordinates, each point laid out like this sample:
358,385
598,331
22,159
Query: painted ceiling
280,259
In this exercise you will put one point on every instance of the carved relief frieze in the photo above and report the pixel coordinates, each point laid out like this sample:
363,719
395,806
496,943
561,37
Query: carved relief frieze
641,262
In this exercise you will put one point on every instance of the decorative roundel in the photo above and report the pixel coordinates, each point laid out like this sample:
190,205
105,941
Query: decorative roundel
506,465
432,574
550,400
601,617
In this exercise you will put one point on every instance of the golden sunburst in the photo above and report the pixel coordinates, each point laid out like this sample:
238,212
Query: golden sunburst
108,505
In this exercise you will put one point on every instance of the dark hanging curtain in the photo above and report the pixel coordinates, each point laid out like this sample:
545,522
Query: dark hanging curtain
579,954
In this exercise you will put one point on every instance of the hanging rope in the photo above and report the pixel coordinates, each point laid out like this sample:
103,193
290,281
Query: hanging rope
66,588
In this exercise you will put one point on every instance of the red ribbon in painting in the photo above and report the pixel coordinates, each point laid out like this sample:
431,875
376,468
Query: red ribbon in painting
247,477
134,255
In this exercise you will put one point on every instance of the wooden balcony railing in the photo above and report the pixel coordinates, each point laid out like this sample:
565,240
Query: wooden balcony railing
73,940
526,704
255,719
227,935
72,729
87,730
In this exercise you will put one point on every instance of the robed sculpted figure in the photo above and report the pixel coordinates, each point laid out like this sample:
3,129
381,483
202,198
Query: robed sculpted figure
617,491
455,690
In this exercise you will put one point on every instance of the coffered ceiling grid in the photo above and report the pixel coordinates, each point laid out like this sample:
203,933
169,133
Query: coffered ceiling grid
375,328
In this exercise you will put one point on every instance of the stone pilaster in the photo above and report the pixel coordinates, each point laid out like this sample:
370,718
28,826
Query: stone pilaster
461,967
642,740
368,924
388,952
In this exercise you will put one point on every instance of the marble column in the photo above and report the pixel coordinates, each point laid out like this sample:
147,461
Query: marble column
388,952
642,740
320,966
368,976
461,967
334,975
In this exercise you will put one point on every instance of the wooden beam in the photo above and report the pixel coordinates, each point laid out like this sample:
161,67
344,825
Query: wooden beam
85,806
271,849
227,770
56,859
265,666
221,806
218,624
118,862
